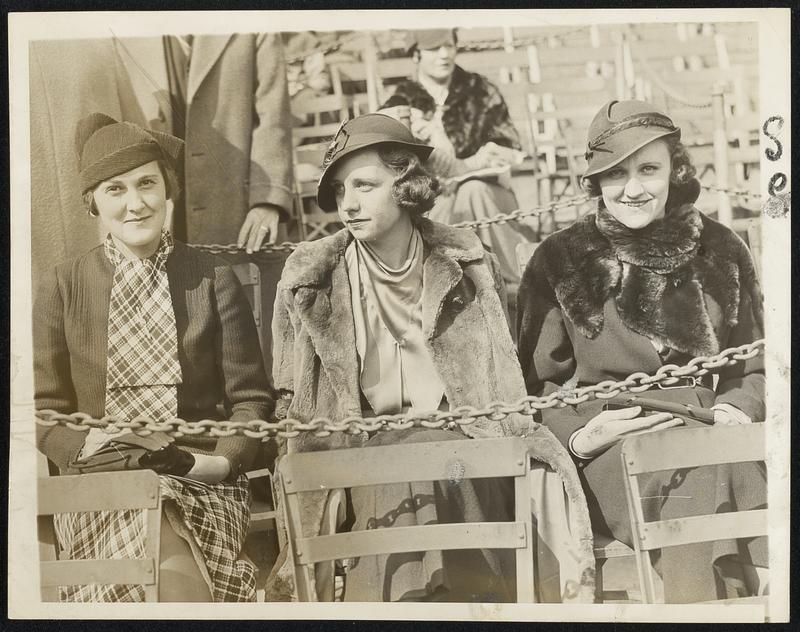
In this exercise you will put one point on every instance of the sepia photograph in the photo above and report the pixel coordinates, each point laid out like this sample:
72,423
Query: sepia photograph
476,314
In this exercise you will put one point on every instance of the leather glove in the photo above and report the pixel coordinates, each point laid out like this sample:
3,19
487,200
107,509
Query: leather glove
130,451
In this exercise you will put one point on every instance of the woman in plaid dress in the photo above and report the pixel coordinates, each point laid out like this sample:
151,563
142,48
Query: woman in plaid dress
143,325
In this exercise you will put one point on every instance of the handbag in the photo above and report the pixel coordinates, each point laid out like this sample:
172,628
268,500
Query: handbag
156,451
649,406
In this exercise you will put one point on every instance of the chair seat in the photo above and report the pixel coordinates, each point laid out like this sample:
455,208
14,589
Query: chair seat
606,548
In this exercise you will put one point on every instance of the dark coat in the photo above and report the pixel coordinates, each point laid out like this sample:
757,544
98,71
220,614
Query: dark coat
217,348
238,142
474,111
69,78
574,330
580,320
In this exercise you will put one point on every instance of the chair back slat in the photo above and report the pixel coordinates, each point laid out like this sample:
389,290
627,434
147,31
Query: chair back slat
693,447
442,460
438,537
406,463
107,491
679,531
81,572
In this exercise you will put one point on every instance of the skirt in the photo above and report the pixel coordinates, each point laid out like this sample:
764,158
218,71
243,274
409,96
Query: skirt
212,518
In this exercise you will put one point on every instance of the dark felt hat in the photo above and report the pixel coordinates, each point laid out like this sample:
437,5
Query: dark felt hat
367,130
427,39
621,128
107,147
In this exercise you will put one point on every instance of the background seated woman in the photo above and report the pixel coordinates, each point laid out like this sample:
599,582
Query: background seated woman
376,320
645,281
143,325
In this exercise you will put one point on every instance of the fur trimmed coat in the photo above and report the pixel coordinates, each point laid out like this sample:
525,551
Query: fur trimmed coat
584,317
474,111
582,320
316,367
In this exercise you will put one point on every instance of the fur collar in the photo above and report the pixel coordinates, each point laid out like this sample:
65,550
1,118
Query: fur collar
474,112
662,247
671,307
311,264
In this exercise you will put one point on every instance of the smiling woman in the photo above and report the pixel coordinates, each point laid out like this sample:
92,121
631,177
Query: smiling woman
133,207
645,281
146,326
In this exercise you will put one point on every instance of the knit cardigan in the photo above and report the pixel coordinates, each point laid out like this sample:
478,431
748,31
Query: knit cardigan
218,351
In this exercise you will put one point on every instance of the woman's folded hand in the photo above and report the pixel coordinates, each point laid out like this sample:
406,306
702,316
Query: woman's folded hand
611,426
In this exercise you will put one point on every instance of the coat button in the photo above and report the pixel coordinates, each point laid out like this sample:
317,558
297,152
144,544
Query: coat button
457,302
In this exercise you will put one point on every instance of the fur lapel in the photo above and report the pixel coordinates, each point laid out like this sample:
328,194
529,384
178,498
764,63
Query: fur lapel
672,309
449,249
316,276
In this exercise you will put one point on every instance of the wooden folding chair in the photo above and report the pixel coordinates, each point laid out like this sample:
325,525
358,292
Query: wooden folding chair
337,469
107,491
688,448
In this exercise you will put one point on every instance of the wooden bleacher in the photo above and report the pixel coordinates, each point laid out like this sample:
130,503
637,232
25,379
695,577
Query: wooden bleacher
555,78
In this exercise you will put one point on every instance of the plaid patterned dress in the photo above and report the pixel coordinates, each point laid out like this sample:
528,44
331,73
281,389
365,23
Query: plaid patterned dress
142,376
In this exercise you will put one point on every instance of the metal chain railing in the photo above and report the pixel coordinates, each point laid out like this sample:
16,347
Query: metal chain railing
666,376
741,193
500,218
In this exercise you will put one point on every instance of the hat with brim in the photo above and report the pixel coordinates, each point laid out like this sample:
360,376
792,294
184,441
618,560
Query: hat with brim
107,148
620,129
366,131
428,39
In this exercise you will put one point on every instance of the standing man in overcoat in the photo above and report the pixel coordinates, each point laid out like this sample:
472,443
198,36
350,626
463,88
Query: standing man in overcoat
230,104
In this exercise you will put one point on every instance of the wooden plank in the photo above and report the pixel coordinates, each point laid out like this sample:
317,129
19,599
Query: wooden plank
314,131
525,556
435,537
586,113
692,447
98,492
606,548
410,462
326,103
679,531
152,550
79,572
48,552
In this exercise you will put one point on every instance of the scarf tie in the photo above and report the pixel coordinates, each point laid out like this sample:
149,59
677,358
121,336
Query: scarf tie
143,370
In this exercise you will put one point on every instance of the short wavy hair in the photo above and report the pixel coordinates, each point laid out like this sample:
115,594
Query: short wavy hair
414,189
681,177
171,184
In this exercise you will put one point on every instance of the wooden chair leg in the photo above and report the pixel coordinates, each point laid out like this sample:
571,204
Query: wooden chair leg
598,580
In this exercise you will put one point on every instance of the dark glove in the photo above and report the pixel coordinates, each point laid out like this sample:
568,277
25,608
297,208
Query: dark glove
130,451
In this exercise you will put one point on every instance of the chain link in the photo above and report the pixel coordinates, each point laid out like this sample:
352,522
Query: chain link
742,193
463,416
232,249
501,218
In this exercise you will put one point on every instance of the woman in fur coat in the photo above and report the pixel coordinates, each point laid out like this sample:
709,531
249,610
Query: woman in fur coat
376,320
644,281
